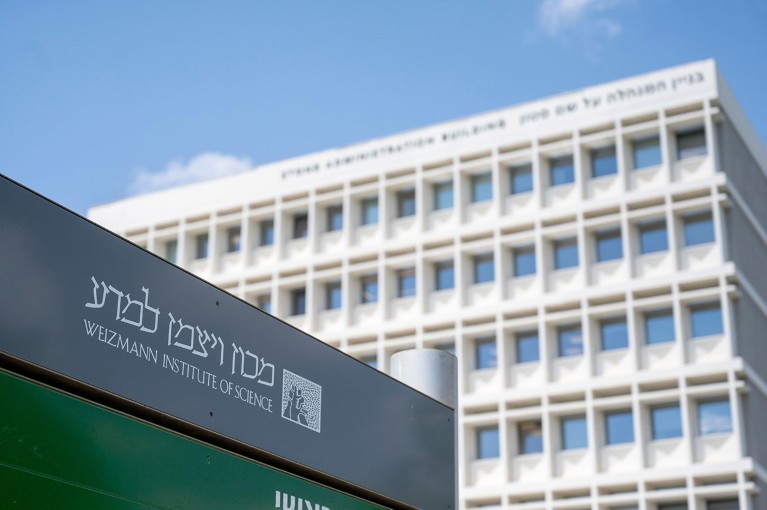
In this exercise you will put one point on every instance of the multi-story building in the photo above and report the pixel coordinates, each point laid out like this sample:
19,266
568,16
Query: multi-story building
595,260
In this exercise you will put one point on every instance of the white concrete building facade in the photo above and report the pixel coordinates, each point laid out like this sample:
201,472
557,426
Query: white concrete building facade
595,260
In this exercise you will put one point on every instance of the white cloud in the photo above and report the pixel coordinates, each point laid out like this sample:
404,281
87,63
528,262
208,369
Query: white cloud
584,23
202,167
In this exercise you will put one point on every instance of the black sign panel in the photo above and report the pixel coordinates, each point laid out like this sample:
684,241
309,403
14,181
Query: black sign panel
91,306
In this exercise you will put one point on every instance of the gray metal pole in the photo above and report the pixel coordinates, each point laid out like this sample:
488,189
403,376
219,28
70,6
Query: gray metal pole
433,372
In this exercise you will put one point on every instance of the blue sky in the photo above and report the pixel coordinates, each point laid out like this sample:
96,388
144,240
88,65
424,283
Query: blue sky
103,99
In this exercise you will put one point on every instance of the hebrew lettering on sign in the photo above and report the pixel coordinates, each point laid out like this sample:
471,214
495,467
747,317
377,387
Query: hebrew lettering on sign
259,369
133,311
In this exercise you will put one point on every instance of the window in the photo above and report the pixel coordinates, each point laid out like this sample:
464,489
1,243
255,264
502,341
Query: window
659,327
672,506
630,507
406,282
619,427
524,260
561,170
233,239
300,225
266,233
714,417
698,228
482,187
487,443
171,250
603,161
566,253
484,270
485,352
652,236
298,301
334,217
370,360
691,143
201,246
443,195
723,504
574,432
609,245
666,422
264,302
405,202
447,347
570,340
444,275
369,210
527,347
646,151
521,179
332,295
614,333
706,320
530,435
369,289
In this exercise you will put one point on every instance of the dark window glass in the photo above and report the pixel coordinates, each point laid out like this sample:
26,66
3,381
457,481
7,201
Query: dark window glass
666,422
171,250
300,225
653,237
369,208
447,346
521,179
723,504
706,320
646,152
334,217
691,143
201,246
615,334
484,270
574,433
233,239
524,260
570,340
332,295
406,282
609,245
481,187
566,253
698,228
369,289
298,301
487,443
619,427
672,506
444,275
443,195
266,234
265,303
527,347
530,437
406,202
659,327
561,170
714,417
485,351
603,161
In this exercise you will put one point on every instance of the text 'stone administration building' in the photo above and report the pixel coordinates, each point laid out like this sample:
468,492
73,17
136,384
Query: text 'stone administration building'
597,261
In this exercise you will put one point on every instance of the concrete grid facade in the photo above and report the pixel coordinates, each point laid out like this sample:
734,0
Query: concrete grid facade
595,261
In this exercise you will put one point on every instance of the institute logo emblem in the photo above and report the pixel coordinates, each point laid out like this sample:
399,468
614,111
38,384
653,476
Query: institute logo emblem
301,400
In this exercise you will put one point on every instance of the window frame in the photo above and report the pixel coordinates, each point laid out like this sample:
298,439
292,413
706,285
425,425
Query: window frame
333,290
298,296
598,153
561,347
201,246
558,164
649,227
405,201
699,415
369,208
526,336
656,314
522,434
608,321
404,275
516,171
478,186
696,219
478,262
654,429
608,234
266,232
563,425
439,267
485,342
615,413
334,218
646,140
365,280
565,243
442,190
692,151
495,448
300,225
523,251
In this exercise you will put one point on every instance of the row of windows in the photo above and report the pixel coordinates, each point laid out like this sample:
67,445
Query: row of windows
713,417
652,237
646,152
713,504
705,320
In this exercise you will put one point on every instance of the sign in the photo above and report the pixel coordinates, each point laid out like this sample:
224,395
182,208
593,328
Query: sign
89,305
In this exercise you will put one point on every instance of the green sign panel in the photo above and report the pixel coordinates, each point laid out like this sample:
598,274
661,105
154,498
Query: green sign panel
61,452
